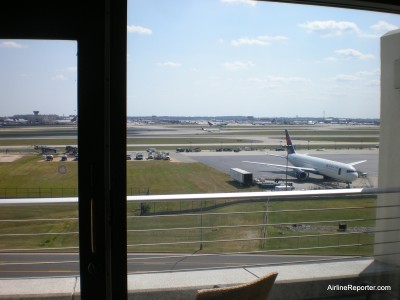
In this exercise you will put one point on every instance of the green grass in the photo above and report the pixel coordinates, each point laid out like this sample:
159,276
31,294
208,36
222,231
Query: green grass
10,225
165,177
346,139
296,134
281,238
185,141
30,175
31,171
30,142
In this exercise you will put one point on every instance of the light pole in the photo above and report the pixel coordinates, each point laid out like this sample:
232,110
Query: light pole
201,225
287,158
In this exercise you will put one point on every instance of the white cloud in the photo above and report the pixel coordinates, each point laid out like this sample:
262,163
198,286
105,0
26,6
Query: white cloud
59,77
374,73
258,41
277,81
72,69
331,58
170,64
331,28
373,83
383,27
10,44
346,77
248,2
352,54
139,30
366,78
237,65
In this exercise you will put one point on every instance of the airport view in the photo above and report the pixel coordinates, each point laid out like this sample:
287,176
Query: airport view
254,131
170,155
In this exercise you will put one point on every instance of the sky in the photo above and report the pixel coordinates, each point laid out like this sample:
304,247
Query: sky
218,58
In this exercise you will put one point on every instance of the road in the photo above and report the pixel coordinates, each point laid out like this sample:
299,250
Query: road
24,265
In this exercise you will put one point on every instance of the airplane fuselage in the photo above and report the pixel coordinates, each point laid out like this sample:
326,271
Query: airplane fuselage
336,170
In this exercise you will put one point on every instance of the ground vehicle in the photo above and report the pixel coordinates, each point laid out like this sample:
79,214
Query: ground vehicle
284,188
49,157
128,157
64,158
139,156
241,176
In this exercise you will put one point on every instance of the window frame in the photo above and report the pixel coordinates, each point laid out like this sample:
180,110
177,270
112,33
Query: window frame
99,27
100,31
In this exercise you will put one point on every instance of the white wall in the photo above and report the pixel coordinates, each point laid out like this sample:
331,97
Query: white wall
389,153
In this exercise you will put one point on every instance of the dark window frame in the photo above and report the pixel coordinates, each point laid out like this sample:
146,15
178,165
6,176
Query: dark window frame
99,27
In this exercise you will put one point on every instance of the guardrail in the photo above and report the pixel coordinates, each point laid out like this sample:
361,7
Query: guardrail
312,225
46,192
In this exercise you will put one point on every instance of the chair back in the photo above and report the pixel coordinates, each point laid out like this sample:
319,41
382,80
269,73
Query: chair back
255,290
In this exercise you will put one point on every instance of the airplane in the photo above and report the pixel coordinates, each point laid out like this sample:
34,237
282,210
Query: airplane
211,130
219,124
304,164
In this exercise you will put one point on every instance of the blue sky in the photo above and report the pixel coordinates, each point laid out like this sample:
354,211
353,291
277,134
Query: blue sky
218,57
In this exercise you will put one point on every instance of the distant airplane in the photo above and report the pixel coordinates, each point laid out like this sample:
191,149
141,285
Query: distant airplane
211,130
68,120
304,164
219,124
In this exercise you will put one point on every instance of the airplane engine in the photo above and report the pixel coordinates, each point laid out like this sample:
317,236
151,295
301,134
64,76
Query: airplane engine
301,175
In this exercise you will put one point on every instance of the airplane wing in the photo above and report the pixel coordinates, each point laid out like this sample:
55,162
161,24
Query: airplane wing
277,155
356,163
284,166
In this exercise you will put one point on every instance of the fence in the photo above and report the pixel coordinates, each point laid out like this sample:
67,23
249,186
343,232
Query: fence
45,192
320,224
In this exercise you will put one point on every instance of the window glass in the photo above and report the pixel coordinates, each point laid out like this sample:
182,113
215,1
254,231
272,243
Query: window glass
212,87
38,155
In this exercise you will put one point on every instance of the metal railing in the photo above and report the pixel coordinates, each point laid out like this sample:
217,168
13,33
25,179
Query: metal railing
205,231
49,192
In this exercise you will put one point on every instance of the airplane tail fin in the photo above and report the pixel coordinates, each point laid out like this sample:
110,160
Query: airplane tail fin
290,147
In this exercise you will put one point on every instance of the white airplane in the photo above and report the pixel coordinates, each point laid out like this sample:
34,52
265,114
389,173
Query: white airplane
304,164
217,123
211,130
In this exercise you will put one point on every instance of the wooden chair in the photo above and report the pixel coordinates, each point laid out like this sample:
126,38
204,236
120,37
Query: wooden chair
254,290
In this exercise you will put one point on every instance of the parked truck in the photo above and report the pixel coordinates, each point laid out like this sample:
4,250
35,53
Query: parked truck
241,176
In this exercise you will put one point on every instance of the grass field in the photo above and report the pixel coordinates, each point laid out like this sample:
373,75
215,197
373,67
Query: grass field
55,226
211,228
28,175
281,237
215,228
